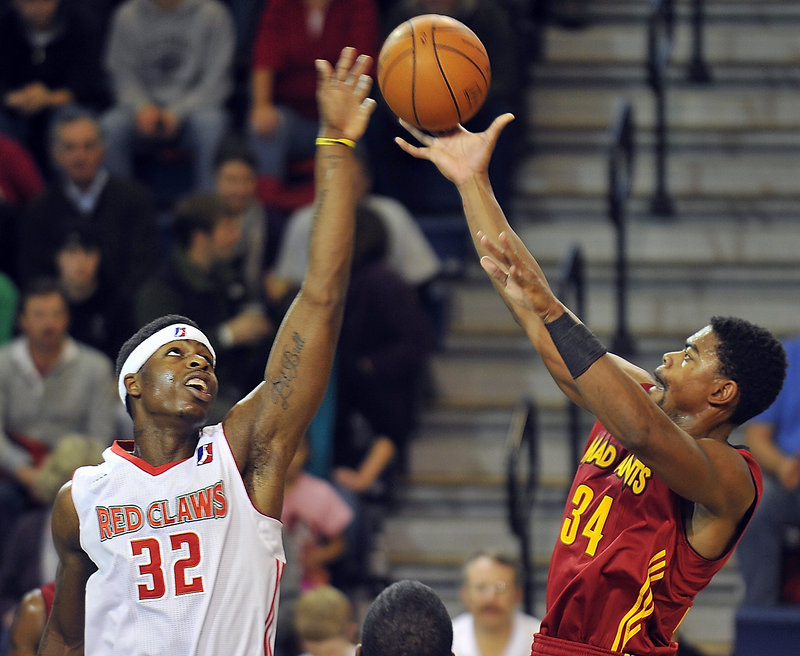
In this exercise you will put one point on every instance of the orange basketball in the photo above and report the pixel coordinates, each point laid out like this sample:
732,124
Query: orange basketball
433,72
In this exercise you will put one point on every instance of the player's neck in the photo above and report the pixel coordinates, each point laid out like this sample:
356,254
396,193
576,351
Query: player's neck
162,445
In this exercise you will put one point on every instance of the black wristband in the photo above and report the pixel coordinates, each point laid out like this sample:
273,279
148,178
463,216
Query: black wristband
576,344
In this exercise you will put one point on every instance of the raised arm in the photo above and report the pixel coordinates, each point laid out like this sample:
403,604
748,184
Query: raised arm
264,428
63,635
703,469
463,158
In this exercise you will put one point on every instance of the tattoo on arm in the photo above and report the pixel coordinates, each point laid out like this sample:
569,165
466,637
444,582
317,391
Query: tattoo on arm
282,386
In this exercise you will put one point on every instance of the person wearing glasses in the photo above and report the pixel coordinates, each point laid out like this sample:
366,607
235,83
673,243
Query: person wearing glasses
493,624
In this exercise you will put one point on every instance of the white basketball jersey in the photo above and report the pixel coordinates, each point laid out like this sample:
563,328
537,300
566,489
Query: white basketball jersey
185,563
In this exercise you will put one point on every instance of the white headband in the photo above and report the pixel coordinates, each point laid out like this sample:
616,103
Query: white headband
143,351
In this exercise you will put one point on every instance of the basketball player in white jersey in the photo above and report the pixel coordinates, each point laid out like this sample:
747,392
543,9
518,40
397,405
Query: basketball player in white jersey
173,544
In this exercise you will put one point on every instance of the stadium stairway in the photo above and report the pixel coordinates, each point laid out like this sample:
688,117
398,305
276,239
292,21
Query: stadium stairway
731,247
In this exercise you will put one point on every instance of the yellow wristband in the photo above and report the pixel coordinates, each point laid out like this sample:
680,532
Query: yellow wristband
324,141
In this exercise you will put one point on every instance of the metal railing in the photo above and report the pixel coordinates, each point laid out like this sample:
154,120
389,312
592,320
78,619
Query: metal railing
522,478
660,28
698,70
621,161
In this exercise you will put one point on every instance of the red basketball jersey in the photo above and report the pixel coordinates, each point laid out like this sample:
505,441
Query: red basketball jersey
622,574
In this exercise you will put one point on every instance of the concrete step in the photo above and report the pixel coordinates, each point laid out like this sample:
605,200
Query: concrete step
617,11
732,112
767,42
734,174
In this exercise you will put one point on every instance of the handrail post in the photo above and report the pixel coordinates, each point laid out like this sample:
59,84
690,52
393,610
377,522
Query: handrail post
698,69
620,183
660,28
523,434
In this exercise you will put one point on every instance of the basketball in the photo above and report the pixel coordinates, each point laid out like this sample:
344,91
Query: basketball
433,72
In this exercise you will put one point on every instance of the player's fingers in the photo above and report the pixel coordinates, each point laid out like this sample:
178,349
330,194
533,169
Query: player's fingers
497,252
362,65
494,270
324,70
414,151
418,134
363,86
345,63
497,126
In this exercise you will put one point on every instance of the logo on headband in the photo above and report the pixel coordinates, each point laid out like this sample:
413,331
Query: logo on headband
180,331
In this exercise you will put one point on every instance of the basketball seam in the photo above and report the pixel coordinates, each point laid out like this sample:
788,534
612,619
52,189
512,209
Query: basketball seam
414,73
441,70
465,56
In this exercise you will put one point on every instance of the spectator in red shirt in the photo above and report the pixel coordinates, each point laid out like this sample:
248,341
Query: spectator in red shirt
283,115
20,181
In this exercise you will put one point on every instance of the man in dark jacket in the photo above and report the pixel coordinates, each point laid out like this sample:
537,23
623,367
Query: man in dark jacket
119,212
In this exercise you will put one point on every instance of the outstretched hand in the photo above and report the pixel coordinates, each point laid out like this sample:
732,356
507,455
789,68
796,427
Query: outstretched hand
342,95
458,154
518,276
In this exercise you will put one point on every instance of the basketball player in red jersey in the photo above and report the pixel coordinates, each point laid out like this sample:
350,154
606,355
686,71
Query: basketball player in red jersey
172,545
659,498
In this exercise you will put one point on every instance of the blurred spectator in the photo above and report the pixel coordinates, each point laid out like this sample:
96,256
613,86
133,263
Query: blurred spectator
324,623
316,517
50,386
119,212
50,54
20,181
30,558
283,116
384,347
8,307
493,624
235,183
408,251
198,280
774,438
410,180
170,67
29,620
406,618
100,314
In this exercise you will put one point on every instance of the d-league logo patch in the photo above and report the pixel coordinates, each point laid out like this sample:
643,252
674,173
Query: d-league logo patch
180,331
204,454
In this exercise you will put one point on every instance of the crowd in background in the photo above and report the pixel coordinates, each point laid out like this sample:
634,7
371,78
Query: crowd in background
156,156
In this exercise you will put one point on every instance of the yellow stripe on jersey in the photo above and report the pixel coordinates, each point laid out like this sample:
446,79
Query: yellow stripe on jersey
631,623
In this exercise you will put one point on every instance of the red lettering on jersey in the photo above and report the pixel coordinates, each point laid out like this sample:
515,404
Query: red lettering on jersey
104,520
201,504
184,513
220,502
118,520
154,515
133,518
166,517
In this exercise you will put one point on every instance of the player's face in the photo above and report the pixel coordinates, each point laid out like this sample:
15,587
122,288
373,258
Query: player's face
687,377
490,593
179,380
